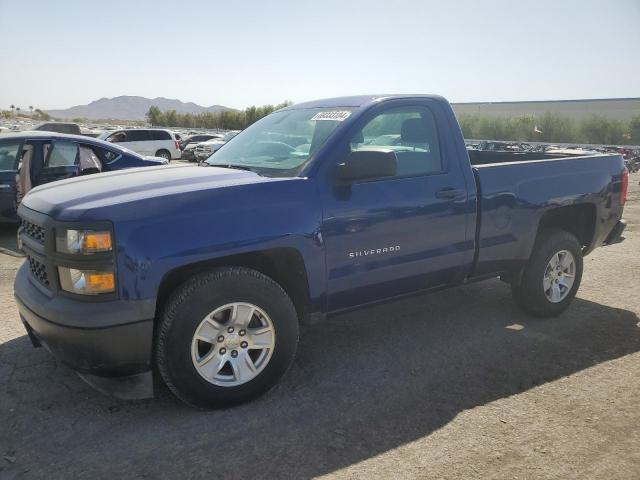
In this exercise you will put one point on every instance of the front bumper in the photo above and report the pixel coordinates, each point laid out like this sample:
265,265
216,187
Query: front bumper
111,349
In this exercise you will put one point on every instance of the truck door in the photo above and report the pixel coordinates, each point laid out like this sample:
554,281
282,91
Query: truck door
9,157
401,234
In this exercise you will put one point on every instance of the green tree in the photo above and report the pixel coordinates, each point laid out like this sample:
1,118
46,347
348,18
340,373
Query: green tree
154,115
634,130
556,128
468,125
42,115
595,129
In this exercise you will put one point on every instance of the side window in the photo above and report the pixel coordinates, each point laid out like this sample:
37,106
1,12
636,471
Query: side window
160,135
138,135
62,154
410,132
118,137
104,154
8,155
89,161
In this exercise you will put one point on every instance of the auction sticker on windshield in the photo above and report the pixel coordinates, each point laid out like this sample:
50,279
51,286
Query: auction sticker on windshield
335,115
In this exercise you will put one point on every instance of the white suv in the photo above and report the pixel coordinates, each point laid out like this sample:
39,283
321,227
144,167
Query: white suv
146,141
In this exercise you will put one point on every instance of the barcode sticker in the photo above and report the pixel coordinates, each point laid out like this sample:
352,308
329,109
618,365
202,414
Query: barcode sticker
335,115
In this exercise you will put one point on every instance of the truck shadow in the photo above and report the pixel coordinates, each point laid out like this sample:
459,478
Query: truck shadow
362,384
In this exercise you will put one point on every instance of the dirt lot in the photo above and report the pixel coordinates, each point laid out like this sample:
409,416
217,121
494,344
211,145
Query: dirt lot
458,384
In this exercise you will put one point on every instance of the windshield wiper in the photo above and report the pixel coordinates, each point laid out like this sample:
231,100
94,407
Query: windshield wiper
234,167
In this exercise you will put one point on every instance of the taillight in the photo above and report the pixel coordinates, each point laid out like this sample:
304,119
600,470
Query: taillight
624,186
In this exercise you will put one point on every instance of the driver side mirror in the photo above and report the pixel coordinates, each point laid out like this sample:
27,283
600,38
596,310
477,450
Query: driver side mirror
366,165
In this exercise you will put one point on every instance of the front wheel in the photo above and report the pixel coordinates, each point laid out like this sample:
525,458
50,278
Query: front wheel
225,337
552,276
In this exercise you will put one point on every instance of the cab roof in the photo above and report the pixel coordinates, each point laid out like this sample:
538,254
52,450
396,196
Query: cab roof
357,101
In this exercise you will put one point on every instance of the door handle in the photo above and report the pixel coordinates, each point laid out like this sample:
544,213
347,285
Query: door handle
448,193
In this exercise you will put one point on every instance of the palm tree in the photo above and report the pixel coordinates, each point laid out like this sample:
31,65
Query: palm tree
31,108
18,110
12,107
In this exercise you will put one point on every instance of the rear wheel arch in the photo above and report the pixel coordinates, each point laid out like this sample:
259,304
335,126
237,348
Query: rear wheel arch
578,219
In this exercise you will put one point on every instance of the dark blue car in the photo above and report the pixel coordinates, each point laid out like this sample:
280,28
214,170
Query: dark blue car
29,159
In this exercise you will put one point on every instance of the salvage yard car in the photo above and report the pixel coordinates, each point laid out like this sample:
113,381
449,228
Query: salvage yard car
205,149
29,159
146,141
190,144
297,218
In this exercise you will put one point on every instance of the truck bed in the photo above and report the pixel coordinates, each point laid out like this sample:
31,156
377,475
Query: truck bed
513,196
483,157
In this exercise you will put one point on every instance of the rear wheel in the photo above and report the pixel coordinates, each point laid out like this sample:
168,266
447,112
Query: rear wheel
164,154
552,275
225,337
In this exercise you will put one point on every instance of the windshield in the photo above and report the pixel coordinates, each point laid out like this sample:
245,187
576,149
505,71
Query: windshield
281,142
229,136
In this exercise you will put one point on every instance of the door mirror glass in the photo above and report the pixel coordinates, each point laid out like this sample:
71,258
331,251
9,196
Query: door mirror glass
367,165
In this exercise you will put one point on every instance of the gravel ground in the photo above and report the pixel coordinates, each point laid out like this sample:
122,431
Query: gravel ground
461,384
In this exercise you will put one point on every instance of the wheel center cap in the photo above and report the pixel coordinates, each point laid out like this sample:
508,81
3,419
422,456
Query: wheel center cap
232,340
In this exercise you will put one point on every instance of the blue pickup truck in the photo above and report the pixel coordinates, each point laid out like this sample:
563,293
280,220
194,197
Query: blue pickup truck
199,276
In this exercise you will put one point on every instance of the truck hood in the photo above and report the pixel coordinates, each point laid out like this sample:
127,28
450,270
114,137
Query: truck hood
73,198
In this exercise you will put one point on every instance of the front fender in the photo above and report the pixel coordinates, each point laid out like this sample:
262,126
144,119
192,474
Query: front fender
242,220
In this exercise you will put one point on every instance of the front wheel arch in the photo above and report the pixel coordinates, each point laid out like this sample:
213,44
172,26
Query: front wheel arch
285,266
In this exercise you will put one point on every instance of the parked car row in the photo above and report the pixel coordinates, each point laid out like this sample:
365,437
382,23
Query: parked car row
29,159
204,150
189,144
146,141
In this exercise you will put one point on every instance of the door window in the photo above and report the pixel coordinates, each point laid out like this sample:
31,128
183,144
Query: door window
8,155
107,156
89,161
62,154
411,133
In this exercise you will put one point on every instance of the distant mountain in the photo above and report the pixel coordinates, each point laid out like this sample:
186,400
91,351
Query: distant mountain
130,108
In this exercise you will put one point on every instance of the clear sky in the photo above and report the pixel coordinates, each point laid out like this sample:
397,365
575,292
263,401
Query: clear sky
56,54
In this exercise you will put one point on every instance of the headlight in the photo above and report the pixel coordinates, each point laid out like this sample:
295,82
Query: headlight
84,242
86,282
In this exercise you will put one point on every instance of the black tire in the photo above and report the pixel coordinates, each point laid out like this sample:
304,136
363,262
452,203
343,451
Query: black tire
528,291
164,154
194,300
